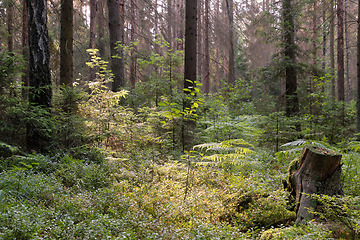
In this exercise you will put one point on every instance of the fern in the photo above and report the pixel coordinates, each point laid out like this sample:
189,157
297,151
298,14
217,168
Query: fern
230,150
301,143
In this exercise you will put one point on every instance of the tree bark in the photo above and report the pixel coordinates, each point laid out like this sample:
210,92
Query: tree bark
101,24
40,93
92,42
66,43
292,102
206,50
180,29
347,53
324,36
358,76
340,51
169,20
318,172
132,39
199,40
10,27
25,51
190,43
332,48
230,11
190,67
116,31
314,33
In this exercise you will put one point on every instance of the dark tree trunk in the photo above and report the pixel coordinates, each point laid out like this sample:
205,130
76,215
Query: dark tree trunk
25,51
199,40
180,20
340,50
66,43
347,53
190,43
40,93
318,172
116,31
332,48
92,43
324,37
190,67
358,76
169,23
314,33
39,61
101,25
10,27
10,17
206,51
132,39
292,102
231,75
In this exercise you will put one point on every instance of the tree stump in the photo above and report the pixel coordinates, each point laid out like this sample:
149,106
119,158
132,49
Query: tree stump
317,171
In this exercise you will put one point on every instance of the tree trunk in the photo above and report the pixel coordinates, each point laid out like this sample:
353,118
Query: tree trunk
318,172
39,68
180,20
169,23
324,32
116,31
340,51
206,50
231,75
347,53
132,39
10,17
292,102
101,24
199,41
332,48
190,43
66,43
358,76
92,42
190,67
25,51
314,33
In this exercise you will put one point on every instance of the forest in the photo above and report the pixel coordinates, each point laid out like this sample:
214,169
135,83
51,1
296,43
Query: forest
179,119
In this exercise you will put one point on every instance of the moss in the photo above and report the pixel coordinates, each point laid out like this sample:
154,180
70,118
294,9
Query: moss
273,233
309,231
257,209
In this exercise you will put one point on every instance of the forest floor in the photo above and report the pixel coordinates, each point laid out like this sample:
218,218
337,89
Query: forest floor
228,190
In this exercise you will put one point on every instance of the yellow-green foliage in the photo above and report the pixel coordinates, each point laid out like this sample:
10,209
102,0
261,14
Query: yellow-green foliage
293,166
257,209
231,150
309,231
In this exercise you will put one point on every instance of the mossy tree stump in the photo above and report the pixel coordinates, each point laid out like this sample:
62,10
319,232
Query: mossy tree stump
318,171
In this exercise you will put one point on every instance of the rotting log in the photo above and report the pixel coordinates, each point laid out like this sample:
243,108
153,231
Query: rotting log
318,171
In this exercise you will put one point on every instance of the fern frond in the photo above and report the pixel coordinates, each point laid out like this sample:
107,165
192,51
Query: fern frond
294,143
206,146
302,142
244,151
223,157
228,145
238,143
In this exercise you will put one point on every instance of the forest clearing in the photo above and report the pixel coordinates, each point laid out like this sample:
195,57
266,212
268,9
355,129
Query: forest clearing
179,119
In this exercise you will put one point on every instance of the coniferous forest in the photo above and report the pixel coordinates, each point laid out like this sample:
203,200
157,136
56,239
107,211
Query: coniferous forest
179,119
